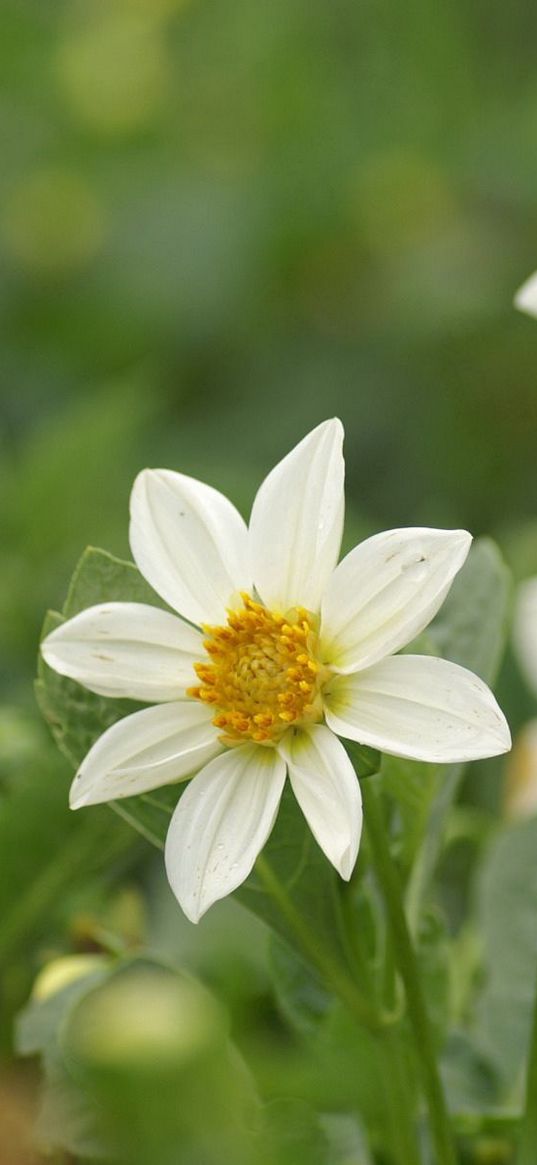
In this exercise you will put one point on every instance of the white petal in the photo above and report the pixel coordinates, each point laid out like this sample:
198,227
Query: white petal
126,649
327,790
189,542
220,825
385,592
154,747
526,296
418,707
297,520
525,629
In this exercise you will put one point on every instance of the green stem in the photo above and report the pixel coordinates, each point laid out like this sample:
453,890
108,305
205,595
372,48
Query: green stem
332,972
390,884
399,1101
352,939
528,1130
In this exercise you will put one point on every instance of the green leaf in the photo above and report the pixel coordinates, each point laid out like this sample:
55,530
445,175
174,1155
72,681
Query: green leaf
39,1022
471,626
470,630
356,1066
411,785
65,1118
366,761
98,1080
507,918
307,879
300,992
99,578
75,716
78,717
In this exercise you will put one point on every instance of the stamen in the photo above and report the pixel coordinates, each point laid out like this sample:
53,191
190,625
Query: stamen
261,673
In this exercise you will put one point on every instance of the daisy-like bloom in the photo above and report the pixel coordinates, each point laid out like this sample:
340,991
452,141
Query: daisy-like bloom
526,296
275,652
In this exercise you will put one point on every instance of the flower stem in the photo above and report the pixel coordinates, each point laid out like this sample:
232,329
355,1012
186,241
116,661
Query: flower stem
331,970
389,882
528,1129
399,1105
400,1114
399,1101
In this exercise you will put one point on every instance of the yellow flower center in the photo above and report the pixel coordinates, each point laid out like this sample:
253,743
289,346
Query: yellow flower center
263,674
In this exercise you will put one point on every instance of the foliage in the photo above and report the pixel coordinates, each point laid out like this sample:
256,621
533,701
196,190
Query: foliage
221,223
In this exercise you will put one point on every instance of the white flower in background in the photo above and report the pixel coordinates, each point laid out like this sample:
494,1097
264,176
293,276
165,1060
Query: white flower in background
526,296
520,793
525,629
520,786
283,651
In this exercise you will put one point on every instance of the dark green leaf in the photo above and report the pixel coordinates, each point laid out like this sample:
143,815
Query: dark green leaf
412,786
300,992
308,881
366,760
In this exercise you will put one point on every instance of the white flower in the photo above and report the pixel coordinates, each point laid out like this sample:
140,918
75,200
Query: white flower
526,296
294,651
525,629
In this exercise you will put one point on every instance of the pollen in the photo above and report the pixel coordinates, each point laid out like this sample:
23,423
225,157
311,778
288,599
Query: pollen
261,674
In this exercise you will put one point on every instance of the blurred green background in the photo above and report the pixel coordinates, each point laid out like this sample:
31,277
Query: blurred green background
221,222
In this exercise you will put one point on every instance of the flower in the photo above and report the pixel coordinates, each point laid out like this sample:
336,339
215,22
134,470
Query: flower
275,652
520,793
525,630
526,296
